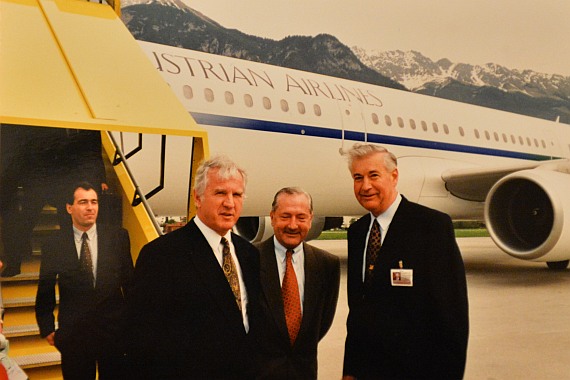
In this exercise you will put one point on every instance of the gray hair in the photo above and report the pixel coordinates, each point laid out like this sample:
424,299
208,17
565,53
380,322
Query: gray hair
361,150
291,191
226,169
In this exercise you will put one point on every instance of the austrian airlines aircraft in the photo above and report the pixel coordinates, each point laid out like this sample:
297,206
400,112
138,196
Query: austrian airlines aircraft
289,128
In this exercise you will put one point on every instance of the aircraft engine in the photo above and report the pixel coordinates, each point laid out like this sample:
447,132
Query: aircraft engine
256,229
525,216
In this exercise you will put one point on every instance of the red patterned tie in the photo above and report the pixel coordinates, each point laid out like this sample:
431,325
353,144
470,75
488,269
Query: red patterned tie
291,299
374,243
230,271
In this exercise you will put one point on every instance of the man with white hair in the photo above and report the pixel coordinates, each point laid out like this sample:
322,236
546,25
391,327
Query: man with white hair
195,289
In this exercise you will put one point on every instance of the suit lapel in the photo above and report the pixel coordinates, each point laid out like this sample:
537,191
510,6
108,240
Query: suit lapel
357,246
394,236
103,252
212,275
269,276
312,287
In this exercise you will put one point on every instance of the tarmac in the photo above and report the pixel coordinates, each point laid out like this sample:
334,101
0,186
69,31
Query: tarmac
519,316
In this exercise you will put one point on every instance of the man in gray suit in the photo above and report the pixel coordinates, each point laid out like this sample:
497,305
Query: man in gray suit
288,343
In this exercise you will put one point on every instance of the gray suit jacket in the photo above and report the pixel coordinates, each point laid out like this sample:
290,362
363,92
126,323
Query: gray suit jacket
277,359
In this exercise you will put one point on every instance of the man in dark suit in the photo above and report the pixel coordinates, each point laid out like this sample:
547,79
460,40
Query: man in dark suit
195,289
289,350
37,166
407,297
93,268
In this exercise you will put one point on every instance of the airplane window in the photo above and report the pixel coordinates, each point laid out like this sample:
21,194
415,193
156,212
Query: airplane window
496,135
248,100
536,143
505,139
521,141
229,97
424,125
461,131
317,110
388,120
413,124
209,94
528,141
284,105
187,91
477,133
435,127
513,139
401,122
446,129
543,144
487,135
301,108
375,118
266,103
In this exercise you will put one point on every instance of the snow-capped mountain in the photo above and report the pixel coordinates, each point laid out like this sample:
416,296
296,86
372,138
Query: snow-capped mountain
415,71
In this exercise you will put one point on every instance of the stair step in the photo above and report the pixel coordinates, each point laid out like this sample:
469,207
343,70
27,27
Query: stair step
19,302
44,373
21,330
25,276
38,360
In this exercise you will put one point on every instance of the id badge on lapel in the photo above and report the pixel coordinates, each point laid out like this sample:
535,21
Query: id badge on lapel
402,277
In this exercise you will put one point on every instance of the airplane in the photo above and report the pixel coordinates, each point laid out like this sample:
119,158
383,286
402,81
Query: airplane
290,128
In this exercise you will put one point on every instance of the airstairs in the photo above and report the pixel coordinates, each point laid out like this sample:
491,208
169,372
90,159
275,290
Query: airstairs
102,82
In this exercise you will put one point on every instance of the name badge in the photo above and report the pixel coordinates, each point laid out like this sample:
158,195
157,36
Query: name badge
402,277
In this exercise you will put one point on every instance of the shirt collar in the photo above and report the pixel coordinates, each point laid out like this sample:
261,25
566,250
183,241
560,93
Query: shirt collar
91,233
386,217
281,251
211,236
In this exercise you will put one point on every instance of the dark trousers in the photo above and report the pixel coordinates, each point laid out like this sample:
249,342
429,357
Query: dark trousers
81,367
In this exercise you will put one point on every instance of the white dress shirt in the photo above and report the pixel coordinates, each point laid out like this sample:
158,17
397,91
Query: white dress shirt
298,261
384,221
91,241
215,242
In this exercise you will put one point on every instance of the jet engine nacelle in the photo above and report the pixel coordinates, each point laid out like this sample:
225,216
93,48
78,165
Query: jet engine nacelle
525,215
256,229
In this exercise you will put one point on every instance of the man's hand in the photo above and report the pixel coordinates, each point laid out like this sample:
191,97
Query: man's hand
50,339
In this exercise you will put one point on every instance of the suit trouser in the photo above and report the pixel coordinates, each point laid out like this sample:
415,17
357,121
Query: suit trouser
81,367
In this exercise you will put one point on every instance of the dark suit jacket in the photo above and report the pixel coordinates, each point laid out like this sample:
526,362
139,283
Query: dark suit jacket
185,323
278,360
417,332
91,320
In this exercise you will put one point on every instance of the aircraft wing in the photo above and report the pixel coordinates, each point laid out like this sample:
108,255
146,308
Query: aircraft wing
473,184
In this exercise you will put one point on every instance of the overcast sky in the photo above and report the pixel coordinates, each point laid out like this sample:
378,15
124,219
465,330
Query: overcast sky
521,34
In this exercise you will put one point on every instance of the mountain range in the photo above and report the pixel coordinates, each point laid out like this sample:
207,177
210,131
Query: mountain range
172,22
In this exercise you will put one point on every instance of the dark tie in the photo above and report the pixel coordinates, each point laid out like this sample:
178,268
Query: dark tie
291,299
374,243
85,259
230,271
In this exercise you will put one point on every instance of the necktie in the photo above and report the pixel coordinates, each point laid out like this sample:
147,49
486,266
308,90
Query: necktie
291,299
374,243
85,259
230,271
